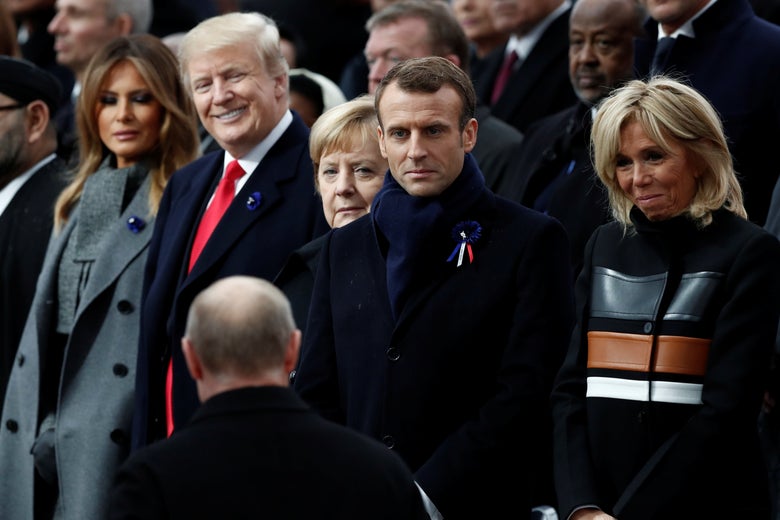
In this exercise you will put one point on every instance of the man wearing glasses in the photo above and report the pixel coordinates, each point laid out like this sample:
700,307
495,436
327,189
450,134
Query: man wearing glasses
31,177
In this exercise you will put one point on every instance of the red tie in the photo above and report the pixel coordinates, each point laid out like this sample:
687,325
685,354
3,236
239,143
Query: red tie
219,204
226,190
503,76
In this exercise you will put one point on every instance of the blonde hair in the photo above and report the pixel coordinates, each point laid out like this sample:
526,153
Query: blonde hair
232,29
178,142
346,126
667,111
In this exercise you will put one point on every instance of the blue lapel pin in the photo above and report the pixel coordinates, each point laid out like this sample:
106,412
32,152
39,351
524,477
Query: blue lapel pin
135,224
253,201
465,234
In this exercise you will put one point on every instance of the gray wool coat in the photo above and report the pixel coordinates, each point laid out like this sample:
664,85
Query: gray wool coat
95,398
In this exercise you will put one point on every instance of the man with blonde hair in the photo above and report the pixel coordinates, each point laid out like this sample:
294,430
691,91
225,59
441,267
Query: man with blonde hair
236,211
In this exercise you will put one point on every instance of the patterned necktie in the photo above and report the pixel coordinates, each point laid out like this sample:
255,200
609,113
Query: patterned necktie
503,76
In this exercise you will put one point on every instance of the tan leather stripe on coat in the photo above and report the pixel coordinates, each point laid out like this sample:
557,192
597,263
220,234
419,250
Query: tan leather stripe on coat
674,354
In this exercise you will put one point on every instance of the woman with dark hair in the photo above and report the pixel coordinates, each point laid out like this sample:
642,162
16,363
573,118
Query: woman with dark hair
70,393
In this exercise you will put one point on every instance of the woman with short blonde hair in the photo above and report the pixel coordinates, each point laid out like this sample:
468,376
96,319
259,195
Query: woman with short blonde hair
667,109
655,407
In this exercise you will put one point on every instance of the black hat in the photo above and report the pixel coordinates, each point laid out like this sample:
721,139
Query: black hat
25,82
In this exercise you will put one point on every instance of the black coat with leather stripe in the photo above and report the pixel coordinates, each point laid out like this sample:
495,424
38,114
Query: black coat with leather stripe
640,459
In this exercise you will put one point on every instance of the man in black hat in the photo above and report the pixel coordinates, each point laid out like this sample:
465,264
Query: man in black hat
31,177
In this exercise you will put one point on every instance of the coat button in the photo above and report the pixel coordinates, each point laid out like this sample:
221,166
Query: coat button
12,425
21,359
124,307
119,437
389,441
648,328
393,354
120,370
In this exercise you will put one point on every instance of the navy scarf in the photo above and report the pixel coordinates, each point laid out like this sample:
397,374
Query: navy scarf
411,224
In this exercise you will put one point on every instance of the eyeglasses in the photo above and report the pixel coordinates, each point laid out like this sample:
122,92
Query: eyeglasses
11,107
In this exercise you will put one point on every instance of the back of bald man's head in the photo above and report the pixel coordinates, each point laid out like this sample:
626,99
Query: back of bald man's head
240,326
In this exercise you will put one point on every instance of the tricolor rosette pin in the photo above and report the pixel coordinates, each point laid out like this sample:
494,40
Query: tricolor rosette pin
465,234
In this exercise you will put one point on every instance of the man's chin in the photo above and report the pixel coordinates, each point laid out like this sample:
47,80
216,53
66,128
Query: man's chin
590,96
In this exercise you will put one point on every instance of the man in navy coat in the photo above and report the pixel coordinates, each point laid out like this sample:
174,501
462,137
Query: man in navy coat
731,56
438,321
254,449
238,78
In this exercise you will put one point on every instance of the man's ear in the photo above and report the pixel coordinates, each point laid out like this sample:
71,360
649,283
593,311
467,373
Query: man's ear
37,120
381,135
292,351
194,364
453,58
470,135
281,85
123,24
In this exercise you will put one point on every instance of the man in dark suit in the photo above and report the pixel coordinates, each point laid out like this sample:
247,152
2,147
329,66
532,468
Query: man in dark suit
439,320
257,196
554,173
419,28
730,55
254,449
526,79
31,177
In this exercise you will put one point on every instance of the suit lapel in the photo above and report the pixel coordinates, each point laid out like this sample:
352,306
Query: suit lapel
484,83
532,69
263,188
44,305
186,211
121,247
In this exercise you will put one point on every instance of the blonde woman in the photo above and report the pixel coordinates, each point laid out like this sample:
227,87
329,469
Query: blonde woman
348,172
656,404
70,393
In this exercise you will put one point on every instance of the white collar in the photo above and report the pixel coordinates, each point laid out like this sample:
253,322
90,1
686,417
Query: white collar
523,45
9,190
252,158
687,28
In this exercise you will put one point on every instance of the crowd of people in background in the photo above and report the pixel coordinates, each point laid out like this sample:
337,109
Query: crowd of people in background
399,259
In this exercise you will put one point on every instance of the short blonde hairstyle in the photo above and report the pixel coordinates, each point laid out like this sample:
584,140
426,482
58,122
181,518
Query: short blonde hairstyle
344,127
668,111
232,29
